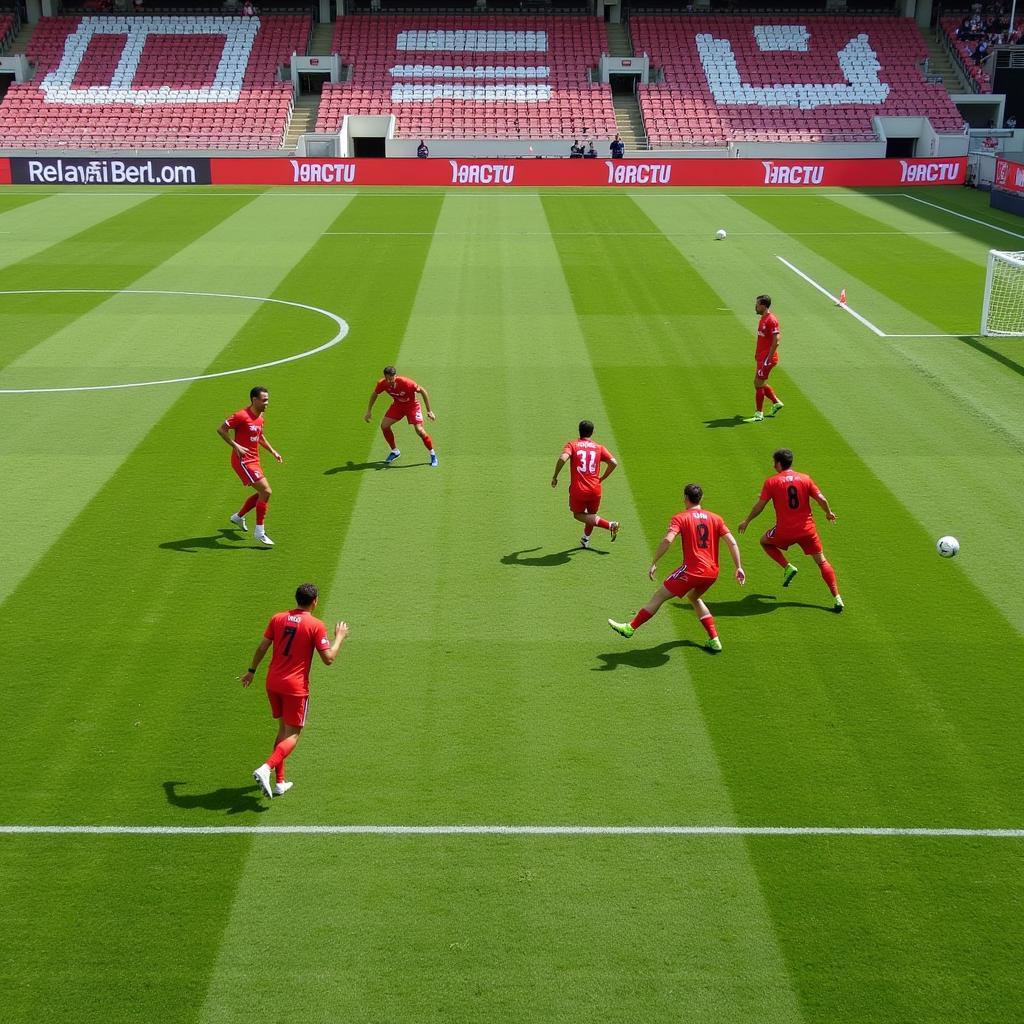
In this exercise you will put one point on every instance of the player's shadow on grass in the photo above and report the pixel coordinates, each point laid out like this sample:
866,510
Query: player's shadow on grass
544,561
725,421
642,657
216,542
359,467
751,604
231,801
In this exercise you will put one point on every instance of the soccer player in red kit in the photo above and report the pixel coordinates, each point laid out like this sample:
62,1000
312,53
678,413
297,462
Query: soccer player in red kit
699,532
294,635
247,424
585,458
404,406
791,493
766,358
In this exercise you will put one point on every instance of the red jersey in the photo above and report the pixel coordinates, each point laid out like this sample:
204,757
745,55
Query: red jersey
767,331
295,636
248,431
790,492
585,458
401,389
699,532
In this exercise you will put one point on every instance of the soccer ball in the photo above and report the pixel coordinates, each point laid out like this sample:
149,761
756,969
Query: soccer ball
720,234
947,546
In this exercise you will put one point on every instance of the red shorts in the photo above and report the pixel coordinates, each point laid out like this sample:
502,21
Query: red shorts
810,542
761,371
681,583
249,473
584,501
291,708
410,411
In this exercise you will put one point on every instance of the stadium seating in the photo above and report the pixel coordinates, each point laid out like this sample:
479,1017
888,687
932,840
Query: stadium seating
963,51
205,82
783,79
467,77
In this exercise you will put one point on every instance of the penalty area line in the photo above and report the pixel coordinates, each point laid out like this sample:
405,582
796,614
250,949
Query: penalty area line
835,298
845,306
515,830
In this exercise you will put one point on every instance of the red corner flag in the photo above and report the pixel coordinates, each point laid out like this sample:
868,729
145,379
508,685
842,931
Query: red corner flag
842,297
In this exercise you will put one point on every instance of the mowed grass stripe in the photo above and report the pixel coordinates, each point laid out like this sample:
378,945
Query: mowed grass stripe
883,558
873,718
33,224
893,278
886,396
118,500
100,429
468,680
115,252
156,718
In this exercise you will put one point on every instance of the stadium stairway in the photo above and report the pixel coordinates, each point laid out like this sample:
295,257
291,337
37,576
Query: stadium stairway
618,41
628,120
20,41
321,40
302,122
939,63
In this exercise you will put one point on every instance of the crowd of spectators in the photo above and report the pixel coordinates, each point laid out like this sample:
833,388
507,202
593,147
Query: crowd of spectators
987,28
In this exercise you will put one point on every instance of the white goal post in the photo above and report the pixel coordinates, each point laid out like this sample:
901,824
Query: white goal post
1002,311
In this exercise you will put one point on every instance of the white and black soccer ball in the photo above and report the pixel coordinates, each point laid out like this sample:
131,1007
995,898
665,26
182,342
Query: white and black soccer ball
948,547
720,234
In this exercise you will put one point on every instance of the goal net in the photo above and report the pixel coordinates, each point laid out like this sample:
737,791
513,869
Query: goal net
1002,312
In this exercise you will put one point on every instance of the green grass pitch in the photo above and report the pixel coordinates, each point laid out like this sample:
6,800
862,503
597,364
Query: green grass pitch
480,684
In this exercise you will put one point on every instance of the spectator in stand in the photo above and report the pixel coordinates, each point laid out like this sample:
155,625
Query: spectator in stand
980,52
137,7
591,153
576,151
421,150
1011,122
618,148
248,9
963,31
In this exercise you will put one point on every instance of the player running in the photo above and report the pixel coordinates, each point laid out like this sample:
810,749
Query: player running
404,405
247,424
766,358
790,492
699,532
585,478
294,635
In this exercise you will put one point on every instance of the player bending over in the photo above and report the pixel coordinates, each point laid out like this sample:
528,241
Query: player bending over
585,458
404,406
247,424
790,492
699,532
766,358
294,635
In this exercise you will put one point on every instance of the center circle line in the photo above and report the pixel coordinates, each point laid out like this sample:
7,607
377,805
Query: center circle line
339,336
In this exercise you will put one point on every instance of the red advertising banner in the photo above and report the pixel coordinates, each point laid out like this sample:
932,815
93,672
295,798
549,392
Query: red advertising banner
588,173
5,171
1009,176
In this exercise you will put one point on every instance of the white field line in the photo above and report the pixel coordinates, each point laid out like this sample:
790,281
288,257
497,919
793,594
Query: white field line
341,333
681,192
867,323
513,830
621,234
835,298
964,216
